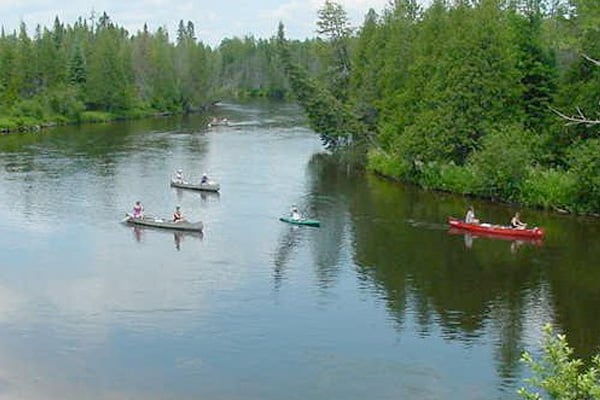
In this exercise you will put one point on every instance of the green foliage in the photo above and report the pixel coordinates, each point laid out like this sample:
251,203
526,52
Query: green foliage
327,115
537,65
64,101
8,124
549,188
96,116
333,24
458,179
250,67
383,164
366,66
29,108
501,165
458,85
108,85
557,375
584,162
77,67
460,96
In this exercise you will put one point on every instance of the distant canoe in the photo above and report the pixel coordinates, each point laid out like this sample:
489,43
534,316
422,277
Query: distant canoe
218,122
207,187
307,222
156,222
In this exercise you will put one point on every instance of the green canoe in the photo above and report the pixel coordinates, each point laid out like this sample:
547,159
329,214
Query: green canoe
304,221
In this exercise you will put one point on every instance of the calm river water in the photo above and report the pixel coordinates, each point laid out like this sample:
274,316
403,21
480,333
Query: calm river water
381,302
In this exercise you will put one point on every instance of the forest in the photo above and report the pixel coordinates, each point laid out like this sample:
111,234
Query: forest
490,98
92,72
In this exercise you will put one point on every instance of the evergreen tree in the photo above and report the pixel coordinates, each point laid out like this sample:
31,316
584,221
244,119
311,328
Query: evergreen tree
8,89
23,78
164,93
109,84
366,61
537,67
327,115
334,25
141,48
191,68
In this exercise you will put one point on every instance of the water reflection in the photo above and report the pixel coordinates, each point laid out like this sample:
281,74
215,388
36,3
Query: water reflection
179,237
515,244
139,233
288,242
204,196
402,246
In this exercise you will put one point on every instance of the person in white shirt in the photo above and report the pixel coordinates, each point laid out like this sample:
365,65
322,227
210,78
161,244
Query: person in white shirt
295,214
179,176
470,217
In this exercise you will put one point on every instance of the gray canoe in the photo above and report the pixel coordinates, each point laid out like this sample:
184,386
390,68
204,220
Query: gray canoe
156,222
207,187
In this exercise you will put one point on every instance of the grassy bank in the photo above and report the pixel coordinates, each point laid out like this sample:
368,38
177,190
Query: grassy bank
536,187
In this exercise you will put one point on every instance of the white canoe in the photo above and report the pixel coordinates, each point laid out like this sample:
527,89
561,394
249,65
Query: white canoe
208,187
156,222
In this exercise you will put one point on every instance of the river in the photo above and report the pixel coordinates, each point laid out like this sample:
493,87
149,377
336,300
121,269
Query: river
381,301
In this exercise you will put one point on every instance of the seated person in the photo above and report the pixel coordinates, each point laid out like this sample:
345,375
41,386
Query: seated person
179,176
295,214
470,217
204,179
177,215
138,210
516,223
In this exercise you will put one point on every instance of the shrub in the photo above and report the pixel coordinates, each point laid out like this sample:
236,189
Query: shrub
385,164
457,179
584,163
557,375
549,189
8,124
501,165
96,116
65,102
31,109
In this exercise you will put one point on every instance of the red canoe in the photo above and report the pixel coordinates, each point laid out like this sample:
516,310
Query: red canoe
534,233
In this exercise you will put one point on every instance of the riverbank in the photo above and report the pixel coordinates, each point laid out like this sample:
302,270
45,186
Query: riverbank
530,186
22,124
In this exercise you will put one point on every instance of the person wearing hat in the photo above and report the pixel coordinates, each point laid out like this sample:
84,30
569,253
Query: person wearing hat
177,215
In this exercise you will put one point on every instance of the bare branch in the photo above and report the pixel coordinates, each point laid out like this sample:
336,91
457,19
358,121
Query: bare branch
590,59
577,119
580,117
